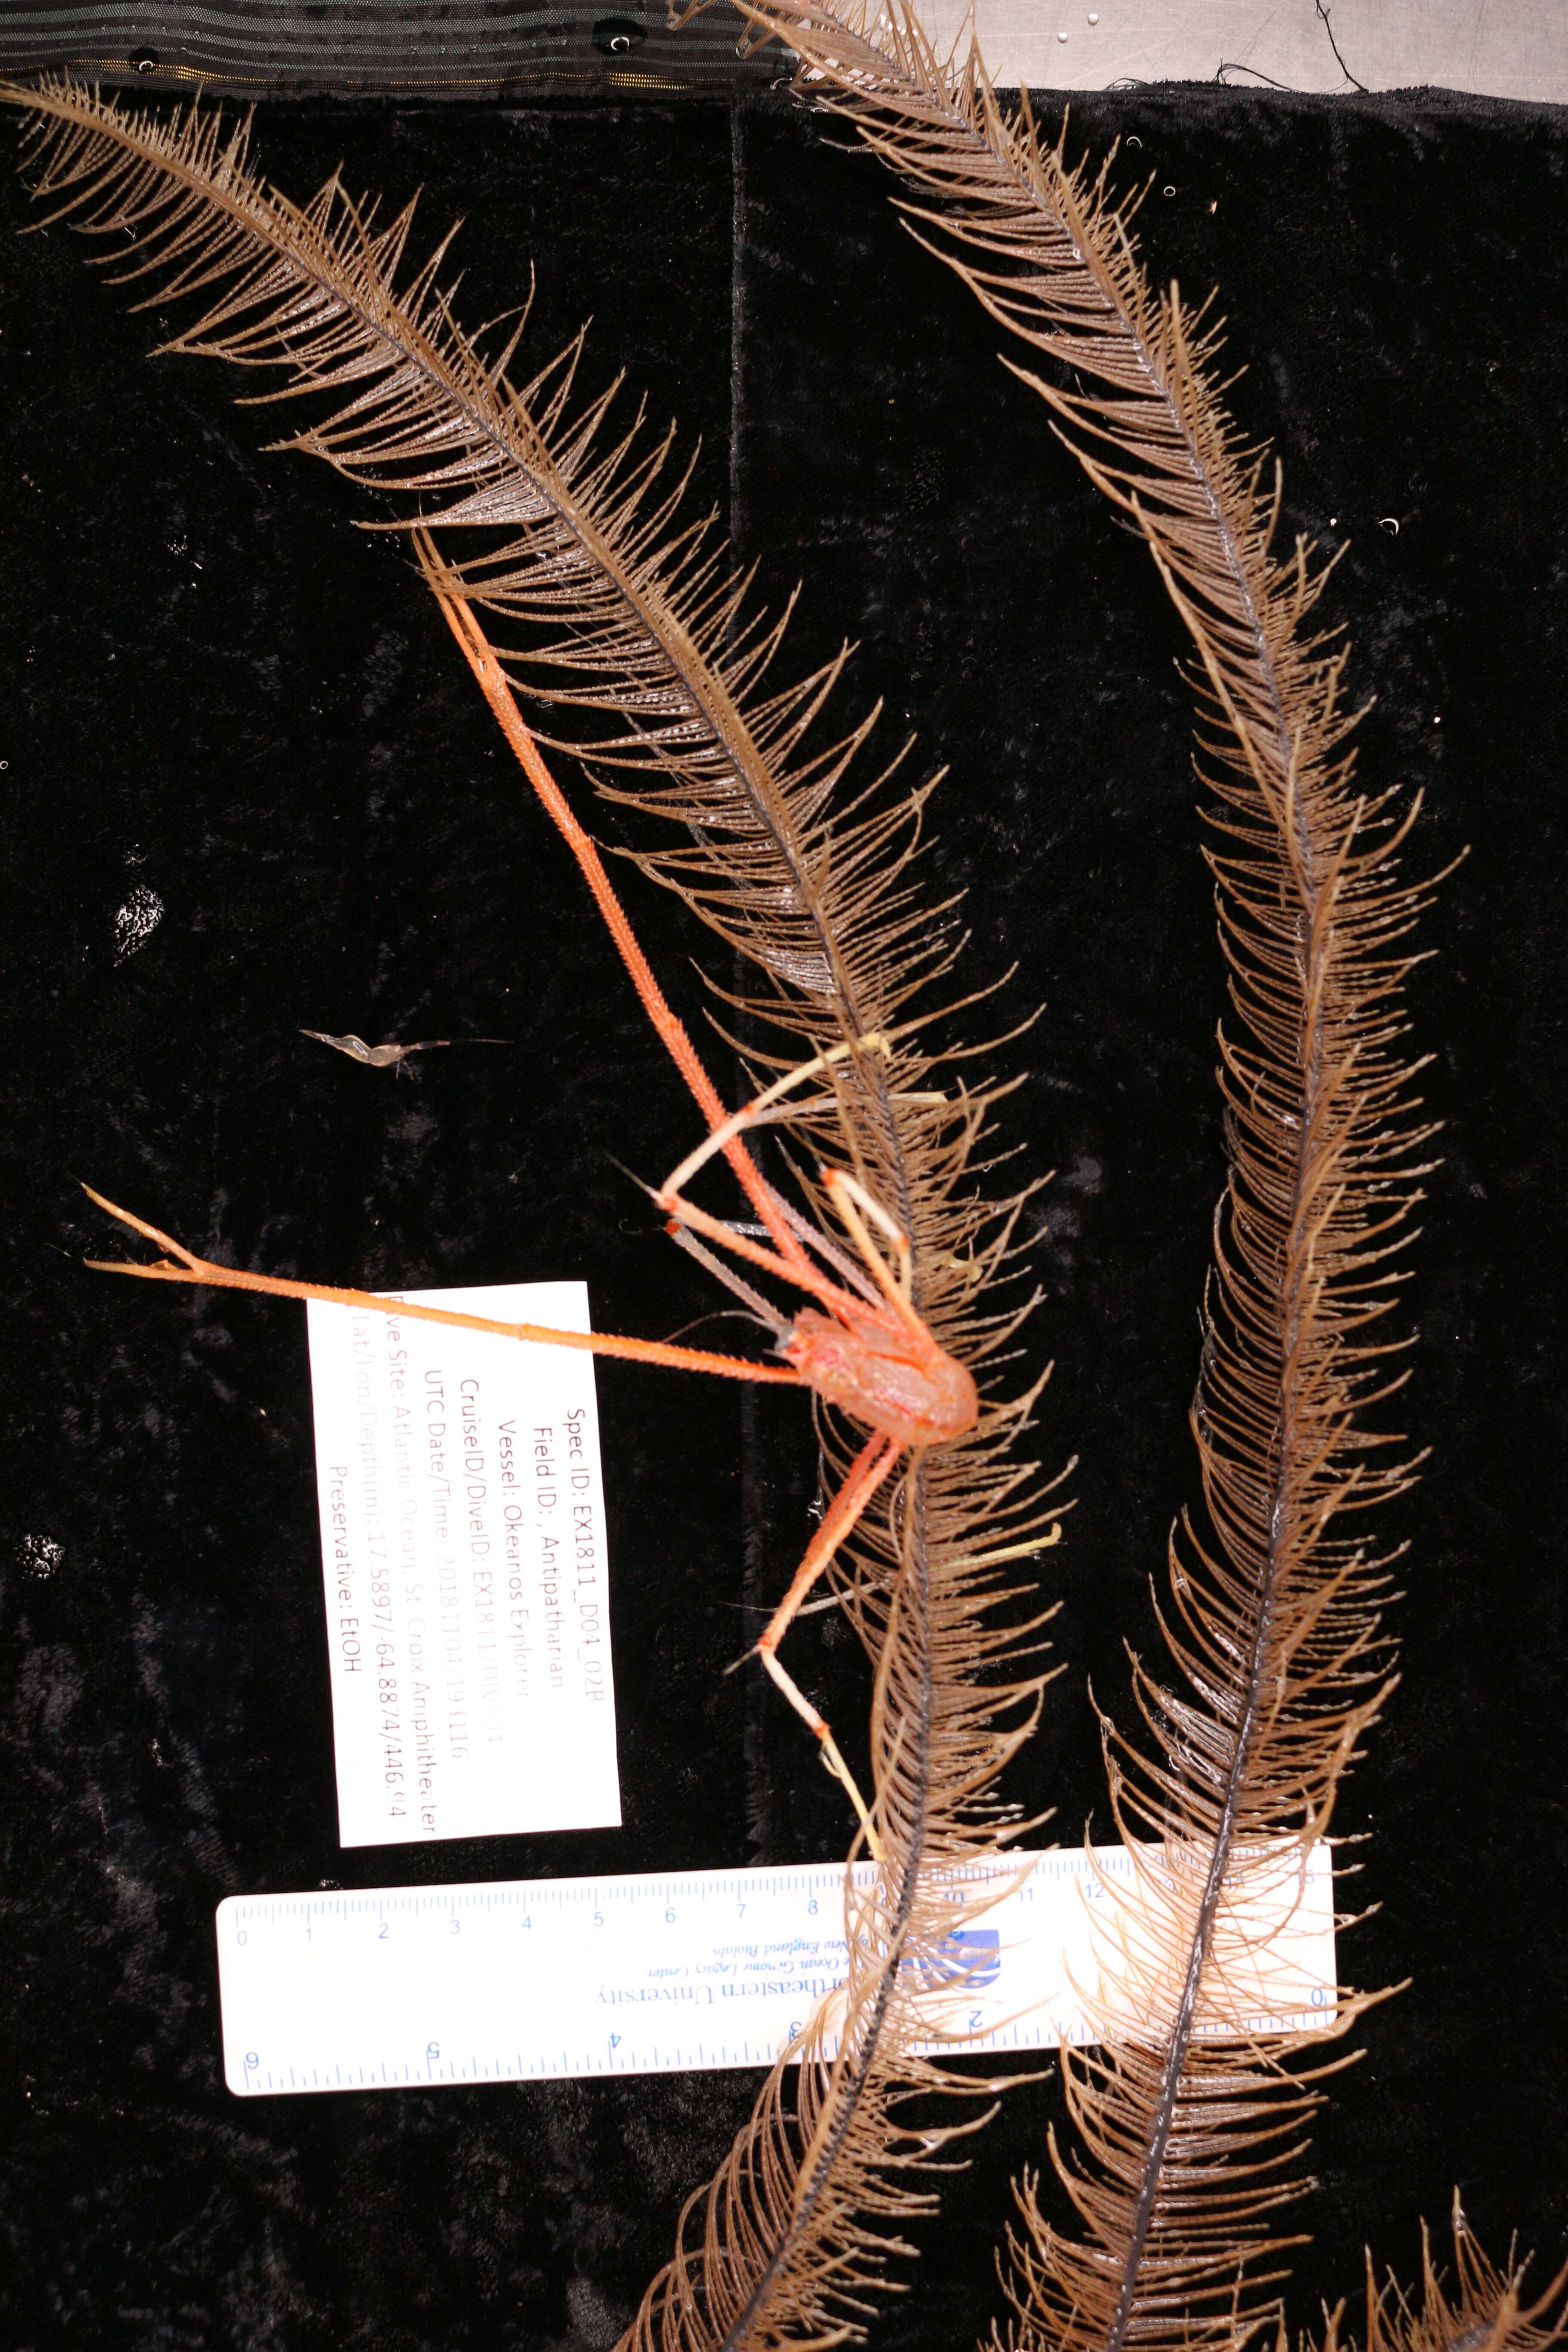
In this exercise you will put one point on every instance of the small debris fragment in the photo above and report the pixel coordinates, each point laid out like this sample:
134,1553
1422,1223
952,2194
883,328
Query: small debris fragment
136,921
387,1057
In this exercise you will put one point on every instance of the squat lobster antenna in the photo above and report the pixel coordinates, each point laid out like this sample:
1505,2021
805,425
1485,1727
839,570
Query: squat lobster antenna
726,1274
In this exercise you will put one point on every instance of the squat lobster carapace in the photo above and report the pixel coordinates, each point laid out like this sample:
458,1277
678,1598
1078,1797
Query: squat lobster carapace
862,1345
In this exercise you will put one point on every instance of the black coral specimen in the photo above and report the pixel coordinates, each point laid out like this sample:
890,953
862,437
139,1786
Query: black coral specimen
633,625
1188,2146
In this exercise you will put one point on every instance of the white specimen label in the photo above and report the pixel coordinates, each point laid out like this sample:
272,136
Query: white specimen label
467,1577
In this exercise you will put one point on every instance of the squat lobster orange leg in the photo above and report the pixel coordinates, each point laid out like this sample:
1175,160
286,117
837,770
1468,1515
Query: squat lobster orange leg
871,1354
866,1474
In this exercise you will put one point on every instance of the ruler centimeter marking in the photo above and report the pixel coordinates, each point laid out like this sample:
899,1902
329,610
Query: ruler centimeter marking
390,1988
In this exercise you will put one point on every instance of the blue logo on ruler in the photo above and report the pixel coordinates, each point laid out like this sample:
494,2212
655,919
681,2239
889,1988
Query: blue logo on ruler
970,1957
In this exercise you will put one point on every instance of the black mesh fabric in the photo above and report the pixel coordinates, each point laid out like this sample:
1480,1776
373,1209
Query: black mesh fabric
470,49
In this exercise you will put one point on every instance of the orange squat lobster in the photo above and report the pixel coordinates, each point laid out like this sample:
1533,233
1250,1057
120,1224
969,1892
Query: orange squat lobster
870,1354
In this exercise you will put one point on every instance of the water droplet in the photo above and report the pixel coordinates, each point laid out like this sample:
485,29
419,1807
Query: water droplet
617,36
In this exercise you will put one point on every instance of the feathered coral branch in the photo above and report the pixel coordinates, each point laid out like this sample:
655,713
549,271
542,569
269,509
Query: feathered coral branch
1483,2311
1189,2147
632,615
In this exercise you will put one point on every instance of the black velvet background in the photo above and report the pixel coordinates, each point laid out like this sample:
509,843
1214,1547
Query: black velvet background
219,693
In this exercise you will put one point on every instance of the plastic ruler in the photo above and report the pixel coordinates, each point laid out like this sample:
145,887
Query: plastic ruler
391,1986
